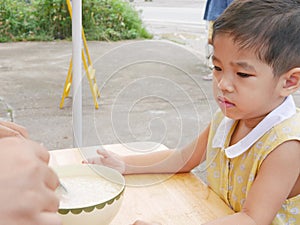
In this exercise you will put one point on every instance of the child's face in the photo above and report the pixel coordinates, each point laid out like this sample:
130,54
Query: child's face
244,87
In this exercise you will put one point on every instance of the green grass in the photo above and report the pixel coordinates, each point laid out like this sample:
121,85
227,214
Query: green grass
44,20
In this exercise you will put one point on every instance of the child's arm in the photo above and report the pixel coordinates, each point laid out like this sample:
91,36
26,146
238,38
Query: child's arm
274,183
166,161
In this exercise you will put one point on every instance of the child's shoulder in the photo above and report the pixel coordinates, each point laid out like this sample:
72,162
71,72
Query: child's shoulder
288,129
293,121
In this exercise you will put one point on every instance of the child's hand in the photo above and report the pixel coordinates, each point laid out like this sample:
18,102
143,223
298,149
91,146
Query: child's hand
109,159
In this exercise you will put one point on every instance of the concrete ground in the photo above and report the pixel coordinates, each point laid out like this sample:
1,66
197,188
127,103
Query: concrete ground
150,90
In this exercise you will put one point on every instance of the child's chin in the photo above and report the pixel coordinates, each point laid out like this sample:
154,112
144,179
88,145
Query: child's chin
228,114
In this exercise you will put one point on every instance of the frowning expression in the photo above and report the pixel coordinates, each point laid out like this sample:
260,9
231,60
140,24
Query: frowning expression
244,86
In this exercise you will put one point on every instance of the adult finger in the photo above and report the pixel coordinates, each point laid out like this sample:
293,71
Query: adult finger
48,218
45,200
51,178
8,132
30,148
49,201
17,129
39,150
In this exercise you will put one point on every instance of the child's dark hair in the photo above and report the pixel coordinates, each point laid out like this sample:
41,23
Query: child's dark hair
271,28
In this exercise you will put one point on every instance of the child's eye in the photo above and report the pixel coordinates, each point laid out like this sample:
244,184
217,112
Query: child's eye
243,75
216,68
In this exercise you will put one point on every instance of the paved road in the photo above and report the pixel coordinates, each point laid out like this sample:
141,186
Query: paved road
150,91
168,3
181,17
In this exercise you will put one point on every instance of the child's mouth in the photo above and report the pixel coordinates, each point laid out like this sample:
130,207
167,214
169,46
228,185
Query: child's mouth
225,103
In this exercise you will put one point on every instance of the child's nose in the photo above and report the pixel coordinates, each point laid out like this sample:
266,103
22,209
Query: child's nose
225,83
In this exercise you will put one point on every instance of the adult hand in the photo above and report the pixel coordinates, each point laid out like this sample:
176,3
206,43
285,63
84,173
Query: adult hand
9,129
27,184
108,159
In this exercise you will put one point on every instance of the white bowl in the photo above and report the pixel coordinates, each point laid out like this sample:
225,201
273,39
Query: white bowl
100,211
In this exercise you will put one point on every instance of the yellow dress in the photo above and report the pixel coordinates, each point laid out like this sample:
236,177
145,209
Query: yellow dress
232,178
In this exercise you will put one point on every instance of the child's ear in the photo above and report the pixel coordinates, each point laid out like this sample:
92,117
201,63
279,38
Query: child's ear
291,81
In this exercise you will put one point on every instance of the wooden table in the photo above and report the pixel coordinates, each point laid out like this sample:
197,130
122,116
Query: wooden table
181,199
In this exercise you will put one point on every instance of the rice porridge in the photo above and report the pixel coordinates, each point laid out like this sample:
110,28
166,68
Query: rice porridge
86,191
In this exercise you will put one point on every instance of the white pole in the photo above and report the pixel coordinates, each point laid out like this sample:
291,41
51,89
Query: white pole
77,72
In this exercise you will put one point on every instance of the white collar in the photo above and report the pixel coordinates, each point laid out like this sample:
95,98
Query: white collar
284,111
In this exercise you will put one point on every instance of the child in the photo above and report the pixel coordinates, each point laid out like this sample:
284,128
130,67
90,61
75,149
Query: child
252,146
